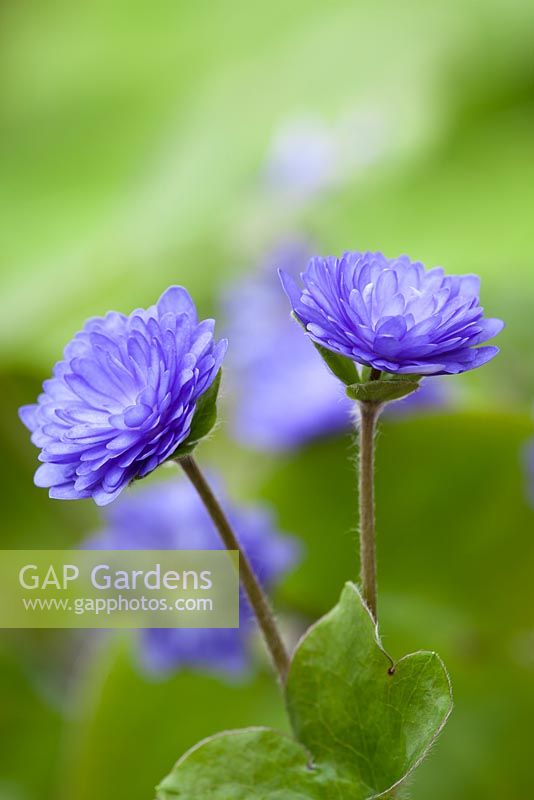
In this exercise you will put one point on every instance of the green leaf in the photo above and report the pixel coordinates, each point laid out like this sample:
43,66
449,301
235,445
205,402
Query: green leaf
204,419
344,688
381,391
361,722
253,764
342,367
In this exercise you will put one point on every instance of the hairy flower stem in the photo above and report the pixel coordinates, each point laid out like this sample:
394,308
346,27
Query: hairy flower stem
255,593
369,413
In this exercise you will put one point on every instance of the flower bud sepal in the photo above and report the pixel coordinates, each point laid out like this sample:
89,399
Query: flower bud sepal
385,389
204,420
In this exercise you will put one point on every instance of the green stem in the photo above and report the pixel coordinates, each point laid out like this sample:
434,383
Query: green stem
255,593
369,413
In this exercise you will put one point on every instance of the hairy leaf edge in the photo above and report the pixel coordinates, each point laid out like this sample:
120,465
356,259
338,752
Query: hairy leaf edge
349,585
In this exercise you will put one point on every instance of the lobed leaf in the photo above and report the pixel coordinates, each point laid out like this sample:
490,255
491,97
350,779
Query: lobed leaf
361,723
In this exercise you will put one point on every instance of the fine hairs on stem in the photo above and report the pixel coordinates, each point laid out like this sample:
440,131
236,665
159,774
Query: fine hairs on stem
369,413
257,598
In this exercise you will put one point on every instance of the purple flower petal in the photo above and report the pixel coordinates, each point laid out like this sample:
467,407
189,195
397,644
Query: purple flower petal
290,287
29,416
392,315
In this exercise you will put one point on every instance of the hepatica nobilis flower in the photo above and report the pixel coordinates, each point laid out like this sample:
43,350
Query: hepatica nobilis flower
123,398
170,516
393,315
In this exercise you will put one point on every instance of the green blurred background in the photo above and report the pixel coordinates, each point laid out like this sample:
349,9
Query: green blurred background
134,140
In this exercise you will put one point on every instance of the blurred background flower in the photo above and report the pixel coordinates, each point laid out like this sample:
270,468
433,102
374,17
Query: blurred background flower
143,146
282,394
307,156
169,515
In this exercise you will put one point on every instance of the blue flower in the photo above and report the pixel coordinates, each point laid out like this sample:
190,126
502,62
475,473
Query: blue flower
393,315
170,516
123,397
